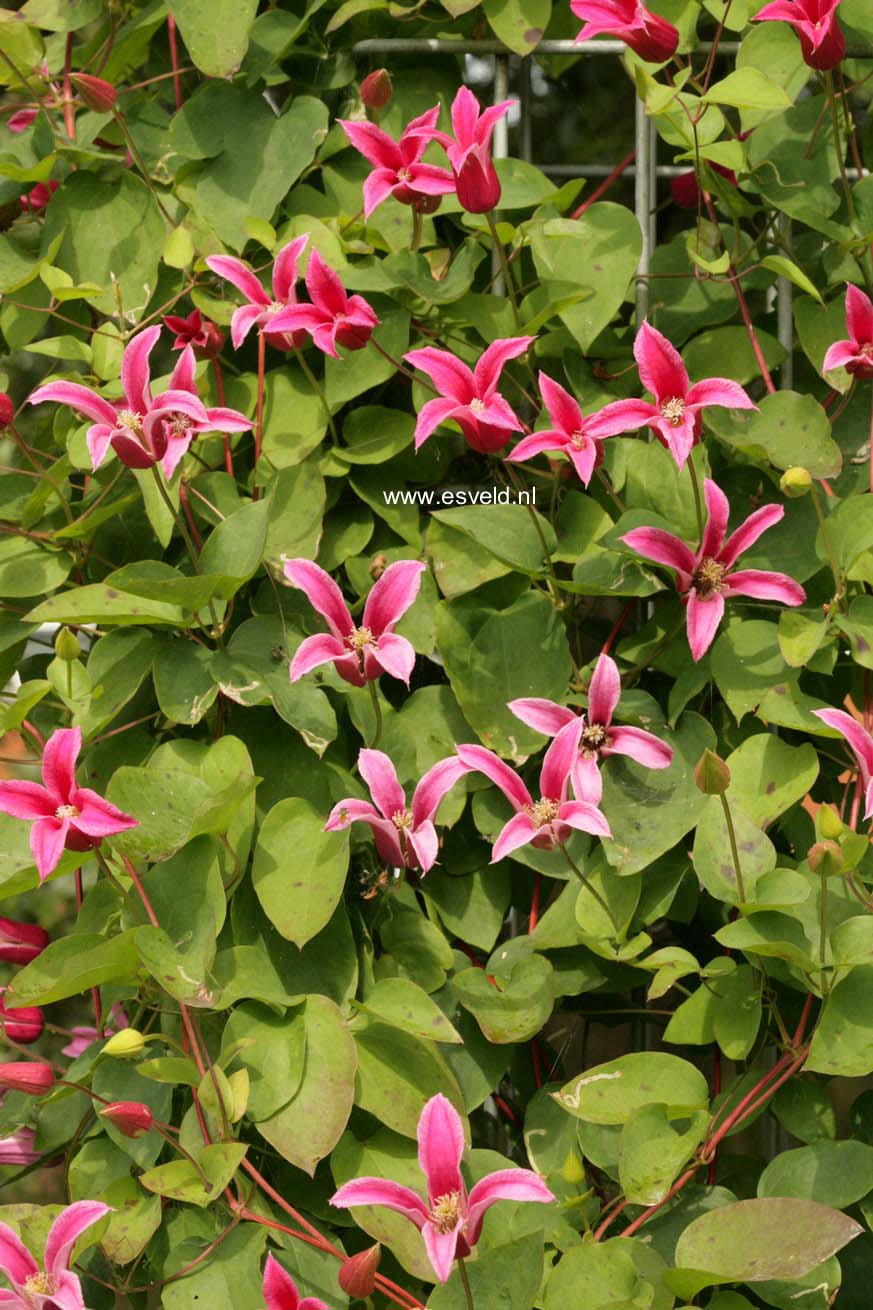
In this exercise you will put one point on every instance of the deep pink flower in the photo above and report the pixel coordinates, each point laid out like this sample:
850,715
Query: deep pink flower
143,430
675,416
376,89
21,942
55,1286
451,1222
83,1036
18,1149
815,23
600,736
856,354
405,837
62,813
21,120
545,823
706,578
397,170
38,196
203,336
469,397
260,308
469,151
7,411
334,318
359,652
280,1290
860,741
576,435
647,34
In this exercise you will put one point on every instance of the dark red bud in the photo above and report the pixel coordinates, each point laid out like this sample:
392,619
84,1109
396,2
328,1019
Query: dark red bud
357,1275
29,1076
7,414
131,1118
376,89
23,1025
94,92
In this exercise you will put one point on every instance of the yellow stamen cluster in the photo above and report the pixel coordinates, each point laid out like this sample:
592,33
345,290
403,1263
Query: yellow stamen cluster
594,735
361,637
707,577
446,1212
128,418
673,410
66,812
402,820
40,1285
544,811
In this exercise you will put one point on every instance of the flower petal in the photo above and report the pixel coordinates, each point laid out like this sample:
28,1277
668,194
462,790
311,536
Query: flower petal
541,715
639,745
377,147
486,374
586,817
604,691
660,365
859,315
392,594
25,800
520,830
587,779
381,1191
59,763
239,275
440,1135
450,375
621,416
559,760
80,398
323,648
135,374
285,267
426,844
564,409
381,777
378,187
433,787
663,547
761,584
480,760
98,437
279,1289
719,391
183,376
701,621
717,515
325,289
839,355
66,1231
322,593
441,1249
15,1259
504,1185
748,533
242,322
536,444
395,656
857,736
98,817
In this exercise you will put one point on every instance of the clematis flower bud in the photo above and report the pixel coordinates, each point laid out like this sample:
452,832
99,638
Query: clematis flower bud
795,482
21,942
711,774
125,1045
825,858
67,646
376,89
357,1275
32,1077
131,1118
7,410
18,1148
96,93
830,825
23,1025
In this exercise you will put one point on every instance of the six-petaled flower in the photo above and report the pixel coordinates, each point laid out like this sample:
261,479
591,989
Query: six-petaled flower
469,150
261,309
574,434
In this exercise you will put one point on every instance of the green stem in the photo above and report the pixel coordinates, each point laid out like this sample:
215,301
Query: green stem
377,710
508,282
465,1282
698,503
138,160
417,225
319,391
823,933
534,518
179,520
735,854
835,568
589,886
655,652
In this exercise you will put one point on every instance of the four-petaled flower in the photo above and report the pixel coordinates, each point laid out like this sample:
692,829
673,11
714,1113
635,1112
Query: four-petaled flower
334,318
647,34
280,1290
815,22
575,434
469,397
203,336
856,354
861,743
55,1286
600,736
469,151
360,652
675,415
405,835
62,813
547,822
706,578
397,170
451,1221
261,309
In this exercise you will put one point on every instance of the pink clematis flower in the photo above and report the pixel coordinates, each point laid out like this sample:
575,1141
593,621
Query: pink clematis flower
545,823
469,151
203,336
83,1036
21,120
856,354
815,24
706,578
451,1221
647,34
405,838
572,433
334,318
469,397
280,1290
861,743
600,736
397,170
18,1149
143,430
675,416
261,309
55,1287
63,814
359,652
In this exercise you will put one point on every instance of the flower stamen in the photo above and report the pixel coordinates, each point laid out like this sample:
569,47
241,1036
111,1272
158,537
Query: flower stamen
673,410
707,578
446,1212
66,812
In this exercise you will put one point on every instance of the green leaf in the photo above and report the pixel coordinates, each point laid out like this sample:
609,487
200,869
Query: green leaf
768,776
788,269
612,1275
748,88
652,1152
788,429
272,1048
610,1093
180,1181
836,1174
299,870
99,603
402,1003
184,685
506,531
843,1039
519,24
216,32
164,804
236,547
397,1074
512,1009
71,965
501,1278
713,860
28,569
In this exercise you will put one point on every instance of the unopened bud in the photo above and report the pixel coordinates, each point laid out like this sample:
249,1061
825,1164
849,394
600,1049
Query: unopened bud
357,1275
94,92
830,824
21,942
378,565
795,482
7,410
23,1025
825,858
67,645
711,774
125,1045
427,204
376,89
131,1118
29,1076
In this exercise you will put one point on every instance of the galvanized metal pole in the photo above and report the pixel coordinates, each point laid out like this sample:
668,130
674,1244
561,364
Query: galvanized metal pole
643,205
500,150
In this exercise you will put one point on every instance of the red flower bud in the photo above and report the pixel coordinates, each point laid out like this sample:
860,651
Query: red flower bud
7,414
19,942
376,89
29,1076
131,1118
685,190
477,183
38,196
94,92
23,1025
357,1275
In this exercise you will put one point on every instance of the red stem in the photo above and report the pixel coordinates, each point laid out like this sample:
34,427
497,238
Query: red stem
189,517
716,1089
604,186
219,392
533,917
744,309
259,430
617,627
174,59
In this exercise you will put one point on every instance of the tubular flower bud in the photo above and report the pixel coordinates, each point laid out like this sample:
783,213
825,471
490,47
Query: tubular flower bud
376,89
7,410
21,942
357,1275
67,645
95,92
125,1045
29,1076
23,1025
825,858
711,774
795,482
131,1118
